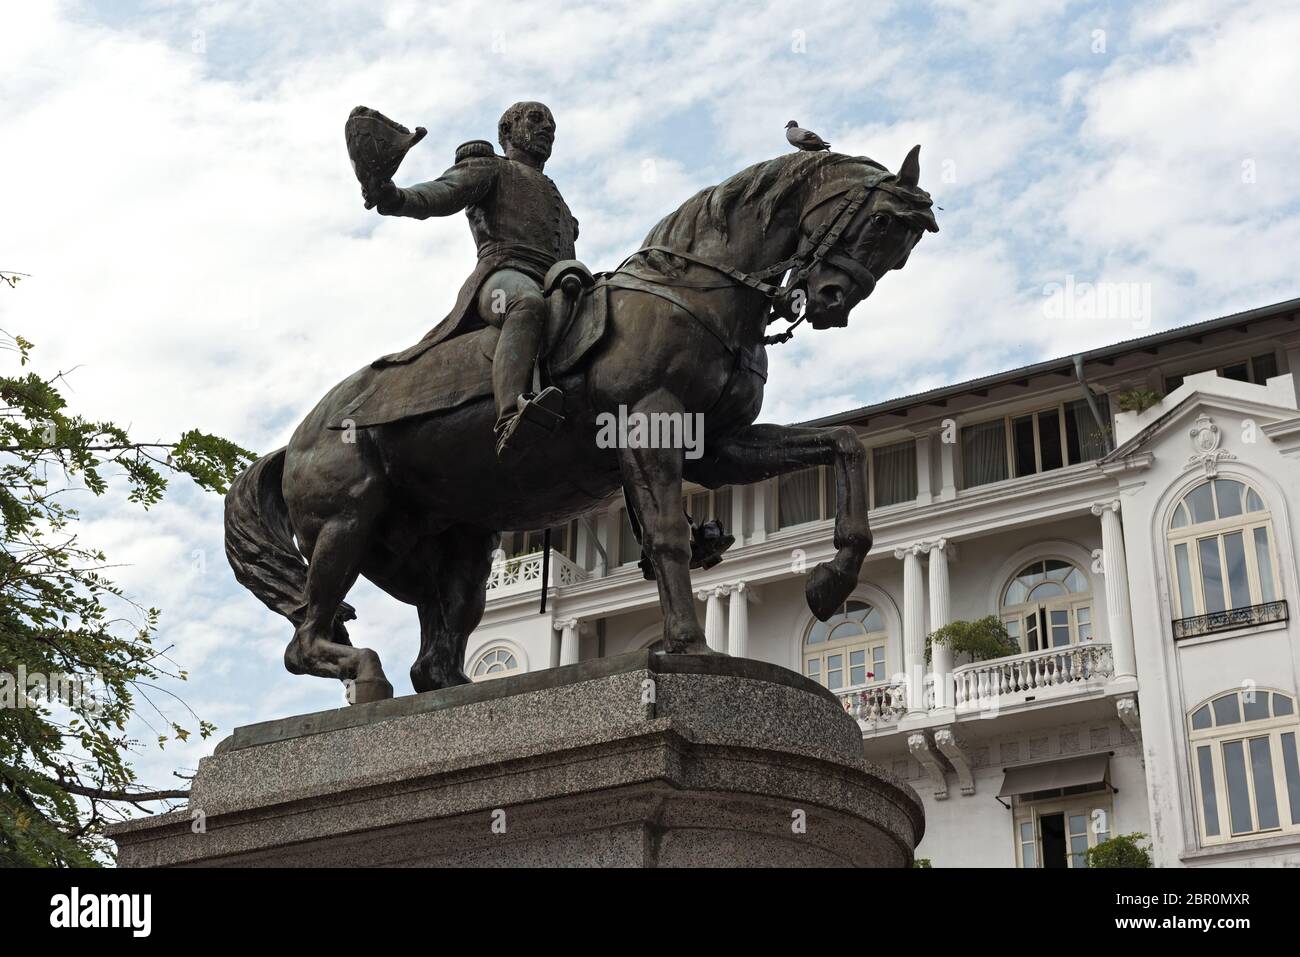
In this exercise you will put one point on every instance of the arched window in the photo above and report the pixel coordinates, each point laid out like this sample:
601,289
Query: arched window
848,649
1048,605
1222,550
494,663
1245,764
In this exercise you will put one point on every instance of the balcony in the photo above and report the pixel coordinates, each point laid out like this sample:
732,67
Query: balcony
1230,620
1039,677
515,576
1018,679
877,704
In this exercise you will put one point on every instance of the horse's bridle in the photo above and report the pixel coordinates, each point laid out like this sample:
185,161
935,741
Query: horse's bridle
819,247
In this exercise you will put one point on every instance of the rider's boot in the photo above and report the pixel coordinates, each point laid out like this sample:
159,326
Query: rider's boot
523,418
536,416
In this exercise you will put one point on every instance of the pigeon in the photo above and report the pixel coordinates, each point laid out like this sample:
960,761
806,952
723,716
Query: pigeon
804,139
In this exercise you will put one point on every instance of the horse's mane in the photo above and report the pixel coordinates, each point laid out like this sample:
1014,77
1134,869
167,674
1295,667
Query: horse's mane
767,184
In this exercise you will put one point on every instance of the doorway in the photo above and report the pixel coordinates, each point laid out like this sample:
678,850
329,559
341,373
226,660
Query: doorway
1051,828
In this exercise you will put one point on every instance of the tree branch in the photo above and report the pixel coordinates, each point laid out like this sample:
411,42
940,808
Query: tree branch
130,447
131,797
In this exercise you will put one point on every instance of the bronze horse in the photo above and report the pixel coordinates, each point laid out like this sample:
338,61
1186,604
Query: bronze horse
417,506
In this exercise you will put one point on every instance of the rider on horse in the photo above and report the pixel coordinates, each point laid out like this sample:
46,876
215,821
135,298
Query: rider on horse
521,227
415,502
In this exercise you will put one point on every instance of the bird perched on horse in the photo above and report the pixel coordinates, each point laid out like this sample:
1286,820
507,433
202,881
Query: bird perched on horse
804,139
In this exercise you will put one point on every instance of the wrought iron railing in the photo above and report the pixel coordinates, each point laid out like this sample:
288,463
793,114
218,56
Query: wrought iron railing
1228,620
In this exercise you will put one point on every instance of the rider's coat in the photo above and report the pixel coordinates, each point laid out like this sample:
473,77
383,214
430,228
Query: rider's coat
518,219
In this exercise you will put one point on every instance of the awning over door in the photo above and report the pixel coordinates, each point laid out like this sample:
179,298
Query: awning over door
1072,772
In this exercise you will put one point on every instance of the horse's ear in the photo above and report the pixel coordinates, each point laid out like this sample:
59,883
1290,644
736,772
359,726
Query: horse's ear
909,174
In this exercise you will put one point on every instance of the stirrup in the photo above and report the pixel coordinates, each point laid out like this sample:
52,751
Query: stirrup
537,418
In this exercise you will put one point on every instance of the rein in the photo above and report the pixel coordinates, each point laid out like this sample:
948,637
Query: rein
821,245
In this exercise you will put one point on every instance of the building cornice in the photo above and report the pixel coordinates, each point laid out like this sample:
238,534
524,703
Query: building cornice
1285,434
1048,496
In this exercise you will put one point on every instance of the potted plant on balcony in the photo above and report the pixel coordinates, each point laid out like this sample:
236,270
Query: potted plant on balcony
1137,400
979,640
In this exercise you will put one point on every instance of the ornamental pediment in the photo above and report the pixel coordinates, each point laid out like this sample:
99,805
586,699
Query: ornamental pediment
1202,428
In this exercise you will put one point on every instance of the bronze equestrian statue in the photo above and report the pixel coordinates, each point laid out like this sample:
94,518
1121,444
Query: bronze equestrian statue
395,474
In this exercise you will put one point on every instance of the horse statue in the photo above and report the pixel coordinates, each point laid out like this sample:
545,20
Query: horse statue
386,479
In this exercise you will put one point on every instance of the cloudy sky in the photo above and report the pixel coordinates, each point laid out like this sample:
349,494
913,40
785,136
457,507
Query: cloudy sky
177,187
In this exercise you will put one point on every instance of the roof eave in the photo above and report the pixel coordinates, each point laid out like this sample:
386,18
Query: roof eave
1063,364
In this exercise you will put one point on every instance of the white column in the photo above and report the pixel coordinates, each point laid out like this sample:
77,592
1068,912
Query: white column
568,629
605,523
1293,367
584,548
948,463
1114,565
913,627
736,520
758,512
924,442
715,628
738,621
940,615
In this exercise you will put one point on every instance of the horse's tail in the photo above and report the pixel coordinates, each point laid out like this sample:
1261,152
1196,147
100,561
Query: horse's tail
260,545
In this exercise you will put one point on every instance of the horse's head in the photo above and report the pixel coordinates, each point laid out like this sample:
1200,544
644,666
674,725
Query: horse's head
874,238
832,224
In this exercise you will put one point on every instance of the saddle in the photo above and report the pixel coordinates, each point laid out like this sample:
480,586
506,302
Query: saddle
459,370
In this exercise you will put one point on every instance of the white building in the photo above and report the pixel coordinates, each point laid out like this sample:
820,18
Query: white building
1145,569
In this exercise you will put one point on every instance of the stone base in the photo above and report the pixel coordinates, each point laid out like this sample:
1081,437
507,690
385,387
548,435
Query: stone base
643,760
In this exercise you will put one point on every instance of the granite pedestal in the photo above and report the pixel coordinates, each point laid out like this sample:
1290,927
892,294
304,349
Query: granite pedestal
643,760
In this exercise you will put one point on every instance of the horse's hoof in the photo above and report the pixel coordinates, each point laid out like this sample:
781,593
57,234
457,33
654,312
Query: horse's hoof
423,681
366,690
827,589
691,646
293,659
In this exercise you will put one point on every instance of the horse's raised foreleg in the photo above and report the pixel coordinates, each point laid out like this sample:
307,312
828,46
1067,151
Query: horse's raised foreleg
653,477
761,451
331,572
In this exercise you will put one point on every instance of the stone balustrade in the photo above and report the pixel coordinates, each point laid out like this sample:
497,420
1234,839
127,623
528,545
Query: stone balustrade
511,576
1019,677
877,703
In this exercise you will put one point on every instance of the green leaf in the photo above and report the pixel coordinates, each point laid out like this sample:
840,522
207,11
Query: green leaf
983,639
60,613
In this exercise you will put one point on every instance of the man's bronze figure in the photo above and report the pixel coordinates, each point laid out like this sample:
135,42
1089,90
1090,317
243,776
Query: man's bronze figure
522,227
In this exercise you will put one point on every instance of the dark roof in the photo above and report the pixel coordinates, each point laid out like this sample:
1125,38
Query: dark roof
1063,365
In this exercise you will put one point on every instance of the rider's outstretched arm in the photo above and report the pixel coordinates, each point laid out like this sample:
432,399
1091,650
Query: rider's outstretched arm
463,185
